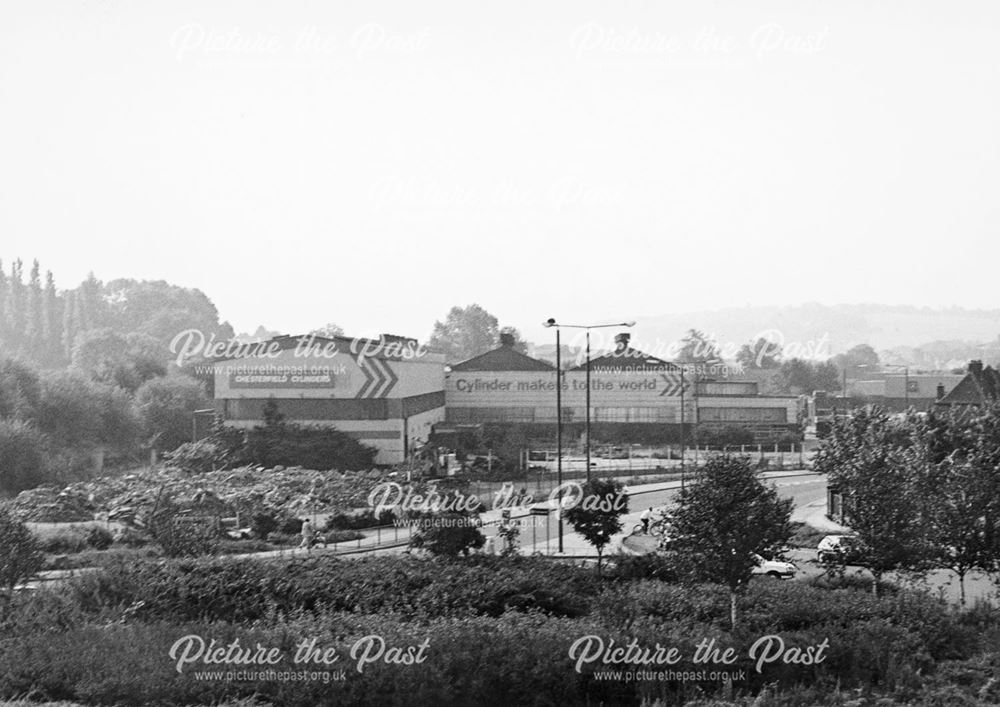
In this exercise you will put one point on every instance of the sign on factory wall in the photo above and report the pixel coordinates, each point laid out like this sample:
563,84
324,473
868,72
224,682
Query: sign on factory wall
282,376
511,387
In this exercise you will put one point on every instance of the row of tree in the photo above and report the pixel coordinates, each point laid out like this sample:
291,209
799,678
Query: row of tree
920,492
54,422
44,325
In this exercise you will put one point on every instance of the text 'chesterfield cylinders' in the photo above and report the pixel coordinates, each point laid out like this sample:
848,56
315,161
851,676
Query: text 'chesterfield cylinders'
386,392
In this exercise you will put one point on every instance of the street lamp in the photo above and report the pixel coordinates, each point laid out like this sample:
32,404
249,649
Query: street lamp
587,328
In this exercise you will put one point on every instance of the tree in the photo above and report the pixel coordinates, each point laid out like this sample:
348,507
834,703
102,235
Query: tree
519,343
963,489
860,356
166,406
33,335
448,533
762,353
51,347
14,308
798,376
698,347
20,554
328,330
124,360
19,390
597,515
874,465
465,332
22,456
67,410
725,518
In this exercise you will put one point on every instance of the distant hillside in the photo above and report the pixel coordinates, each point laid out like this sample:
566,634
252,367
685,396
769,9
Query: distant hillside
842,326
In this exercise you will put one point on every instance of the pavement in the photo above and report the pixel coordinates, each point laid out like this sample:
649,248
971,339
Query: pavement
575,545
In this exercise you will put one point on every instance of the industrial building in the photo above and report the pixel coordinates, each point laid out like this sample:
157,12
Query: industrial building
386,392
633,395
392,394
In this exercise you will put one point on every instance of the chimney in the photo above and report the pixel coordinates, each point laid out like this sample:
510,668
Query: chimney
507,340
975,367
940,391
621,341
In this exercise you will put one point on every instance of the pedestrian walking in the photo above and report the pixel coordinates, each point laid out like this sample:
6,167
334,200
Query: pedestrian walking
307,534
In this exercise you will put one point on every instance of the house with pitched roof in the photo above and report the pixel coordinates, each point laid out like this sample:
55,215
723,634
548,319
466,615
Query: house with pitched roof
979,387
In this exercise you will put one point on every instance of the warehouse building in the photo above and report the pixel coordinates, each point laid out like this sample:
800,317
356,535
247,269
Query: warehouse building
386,392
634,396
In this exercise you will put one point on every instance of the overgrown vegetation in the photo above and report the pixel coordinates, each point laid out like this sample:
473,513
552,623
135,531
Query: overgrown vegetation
500,630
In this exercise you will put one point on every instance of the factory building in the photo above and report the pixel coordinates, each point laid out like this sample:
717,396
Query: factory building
386,392
633,396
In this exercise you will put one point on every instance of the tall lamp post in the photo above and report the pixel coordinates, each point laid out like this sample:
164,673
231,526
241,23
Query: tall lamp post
587,328
680,367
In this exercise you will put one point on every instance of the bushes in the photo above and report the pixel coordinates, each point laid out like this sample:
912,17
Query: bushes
499,633
279,443
236,590
22,456
359,521
179,536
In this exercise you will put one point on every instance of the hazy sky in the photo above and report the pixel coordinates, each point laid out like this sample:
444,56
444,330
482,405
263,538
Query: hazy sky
374,163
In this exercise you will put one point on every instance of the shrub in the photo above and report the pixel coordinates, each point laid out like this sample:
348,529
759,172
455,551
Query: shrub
249,589
357,521
20,556
99,538
179,537
263,523
342,536
277,538
448,534
290,525
277,442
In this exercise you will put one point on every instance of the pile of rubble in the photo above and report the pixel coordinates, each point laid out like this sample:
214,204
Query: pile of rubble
129,499
47,504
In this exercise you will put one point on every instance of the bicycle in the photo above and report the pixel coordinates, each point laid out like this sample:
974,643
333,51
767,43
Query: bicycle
656,527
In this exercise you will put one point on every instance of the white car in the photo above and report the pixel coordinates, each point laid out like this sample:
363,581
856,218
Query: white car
843,548
776,569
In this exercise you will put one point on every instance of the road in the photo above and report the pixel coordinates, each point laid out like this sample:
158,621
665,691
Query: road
806,489
803,487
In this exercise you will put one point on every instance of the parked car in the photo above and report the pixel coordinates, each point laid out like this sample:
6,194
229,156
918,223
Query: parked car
841,549
777,569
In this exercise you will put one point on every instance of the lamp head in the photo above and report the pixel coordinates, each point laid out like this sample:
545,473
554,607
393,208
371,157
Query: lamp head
630,324
549,323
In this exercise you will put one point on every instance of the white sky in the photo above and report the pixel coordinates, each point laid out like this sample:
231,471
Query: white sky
374,163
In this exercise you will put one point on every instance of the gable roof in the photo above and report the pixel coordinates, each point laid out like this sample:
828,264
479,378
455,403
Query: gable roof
504,358
980,386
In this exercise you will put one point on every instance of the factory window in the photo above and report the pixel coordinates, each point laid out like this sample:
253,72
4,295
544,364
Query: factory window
310,409
736,414
638,414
